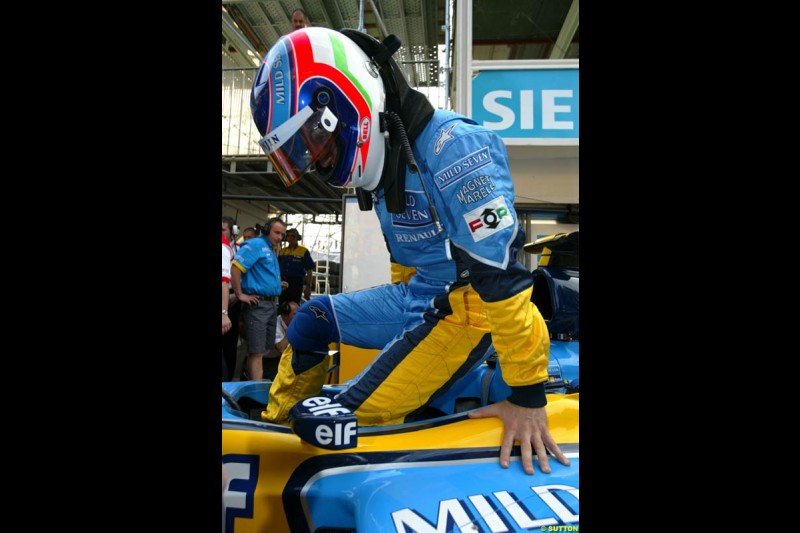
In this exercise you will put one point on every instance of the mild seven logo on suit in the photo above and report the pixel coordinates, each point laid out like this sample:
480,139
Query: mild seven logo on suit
416,214
463,167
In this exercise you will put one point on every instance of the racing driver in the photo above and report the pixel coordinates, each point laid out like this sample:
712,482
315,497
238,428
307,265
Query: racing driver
336,106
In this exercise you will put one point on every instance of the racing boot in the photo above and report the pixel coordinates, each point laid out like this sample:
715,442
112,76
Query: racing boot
300,375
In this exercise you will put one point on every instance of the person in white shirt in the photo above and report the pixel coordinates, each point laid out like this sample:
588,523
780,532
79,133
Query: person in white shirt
230,340
226,279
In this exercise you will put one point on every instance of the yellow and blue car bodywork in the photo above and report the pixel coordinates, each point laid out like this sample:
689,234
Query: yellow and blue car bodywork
439,474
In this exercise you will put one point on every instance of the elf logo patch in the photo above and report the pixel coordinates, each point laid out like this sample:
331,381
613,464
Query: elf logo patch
488,219
237,497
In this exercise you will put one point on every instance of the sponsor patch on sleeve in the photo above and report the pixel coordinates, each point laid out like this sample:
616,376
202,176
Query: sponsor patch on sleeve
489,218
463,168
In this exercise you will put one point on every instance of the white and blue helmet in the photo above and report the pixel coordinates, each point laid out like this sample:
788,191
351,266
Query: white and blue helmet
316,101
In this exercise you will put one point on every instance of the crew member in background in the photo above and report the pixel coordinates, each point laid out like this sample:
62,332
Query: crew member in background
230,341
299,19
248,233
256,280
227,254
297,268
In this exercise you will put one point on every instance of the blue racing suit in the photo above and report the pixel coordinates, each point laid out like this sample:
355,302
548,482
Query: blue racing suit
468,291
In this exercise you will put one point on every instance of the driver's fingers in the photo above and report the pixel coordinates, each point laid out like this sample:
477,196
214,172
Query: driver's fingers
541,454
505,449
556,451
527,455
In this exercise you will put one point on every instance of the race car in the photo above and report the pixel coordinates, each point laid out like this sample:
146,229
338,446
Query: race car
555,293
325,474
441,474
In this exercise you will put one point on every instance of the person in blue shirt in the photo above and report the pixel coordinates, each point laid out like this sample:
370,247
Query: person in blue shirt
256,280
336,106
297,268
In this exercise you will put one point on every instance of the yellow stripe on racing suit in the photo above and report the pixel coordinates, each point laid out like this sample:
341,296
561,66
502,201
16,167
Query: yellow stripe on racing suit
520,337
400,273
287,385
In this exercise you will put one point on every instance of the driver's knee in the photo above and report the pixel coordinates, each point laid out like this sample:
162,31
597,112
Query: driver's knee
313,327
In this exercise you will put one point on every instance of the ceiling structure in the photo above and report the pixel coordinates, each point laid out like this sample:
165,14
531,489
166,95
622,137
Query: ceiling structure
250,186
502,29
525,29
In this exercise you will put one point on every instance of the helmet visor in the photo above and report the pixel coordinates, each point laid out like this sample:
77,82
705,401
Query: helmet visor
306,143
